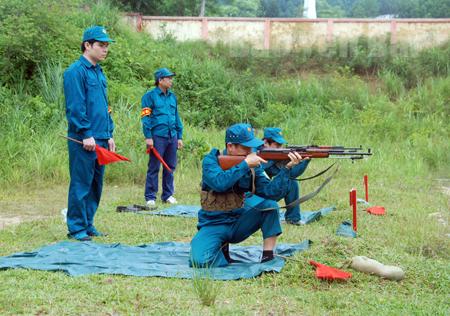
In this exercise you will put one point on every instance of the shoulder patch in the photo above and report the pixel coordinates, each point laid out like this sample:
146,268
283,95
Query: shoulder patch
145,112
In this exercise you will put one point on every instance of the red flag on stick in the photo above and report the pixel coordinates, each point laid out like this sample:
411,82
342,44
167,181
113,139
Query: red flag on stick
104,156
325,272
157,155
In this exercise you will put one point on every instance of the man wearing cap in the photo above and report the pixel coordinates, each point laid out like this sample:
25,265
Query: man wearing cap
223,218
89,121
273,138
163,130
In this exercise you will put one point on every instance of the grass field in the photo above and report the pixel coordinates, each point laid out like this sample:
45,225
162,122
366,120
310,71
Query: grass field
405,237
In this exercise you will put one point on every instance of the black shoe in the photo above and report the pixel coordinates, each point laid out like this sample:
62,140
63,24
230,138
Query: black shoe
296,223
226,251
79,237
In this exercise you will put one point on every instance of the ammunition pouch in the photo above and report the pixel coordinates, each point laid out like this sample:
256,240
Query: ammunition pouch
212,201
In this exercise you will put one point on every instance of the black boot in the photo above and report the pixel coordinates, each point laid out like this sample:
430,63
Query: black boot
226,251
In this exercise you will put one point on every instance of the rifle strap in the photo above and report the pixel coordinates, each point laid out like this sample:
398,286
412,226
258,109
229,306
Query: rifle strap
300,200
252,183
317,175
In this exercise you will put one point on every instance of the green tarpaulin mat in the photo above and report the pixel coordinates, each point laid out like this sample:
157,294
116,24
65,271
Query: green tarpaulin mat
192,211
165,259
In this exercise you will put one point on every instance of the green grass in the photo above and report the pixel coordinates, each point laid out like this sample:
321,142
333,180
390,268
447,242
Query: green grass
405,237
399,107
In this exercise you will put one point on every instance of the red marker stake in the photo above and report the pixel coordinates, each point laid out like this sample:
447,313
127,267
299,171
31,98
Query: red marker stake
353,192
367,189
351,197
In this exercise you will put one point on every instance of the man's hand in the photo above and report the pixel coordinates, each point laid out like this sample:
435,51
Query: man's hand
180,144
89,144
254,161
111,145
149,142
295,160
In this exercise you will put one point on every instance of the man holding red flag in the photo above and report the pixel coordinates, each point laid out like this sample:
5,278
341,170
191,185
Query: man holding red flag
163,132
89,121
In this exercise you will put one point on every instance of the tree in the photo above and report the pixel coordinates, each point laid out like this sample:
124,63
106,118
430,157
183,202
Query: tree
169,7
324,10
273,10
262,8
202,9
241,8
365,9
33,31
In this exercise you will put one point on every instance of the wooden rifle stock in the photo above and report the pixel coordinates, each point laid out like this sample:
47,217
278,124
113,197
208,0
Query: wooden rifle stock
227,162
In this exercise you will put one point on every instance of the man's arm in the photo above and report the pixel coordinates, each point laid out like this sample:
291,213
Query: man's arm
276,188
218,179
146,113
75,96
298,170
178,124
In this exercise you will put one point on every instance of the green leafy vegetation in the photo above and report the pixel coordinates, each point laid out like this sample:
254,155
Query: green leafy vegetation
395,103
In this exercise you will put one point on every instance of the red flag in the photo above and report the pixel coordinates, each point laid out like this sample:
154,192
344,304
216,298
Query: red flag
105,156
157,155
376,210
325,272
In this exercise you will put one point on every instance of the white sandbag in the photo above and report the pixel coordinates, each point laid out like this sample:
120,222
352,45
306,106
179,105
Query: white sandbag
366,265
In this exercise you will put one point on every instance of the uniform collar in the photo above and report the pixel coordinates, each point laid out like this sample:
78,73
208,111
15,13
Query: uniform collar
159,91
87,63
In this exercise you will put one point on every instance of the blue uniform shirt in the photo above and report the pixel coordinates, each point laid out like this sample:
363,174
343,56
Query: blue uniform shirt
162,118
239,177
86,101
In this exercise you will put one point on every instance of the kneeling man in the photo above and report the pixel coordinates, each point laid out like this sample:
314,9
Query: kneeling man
223,218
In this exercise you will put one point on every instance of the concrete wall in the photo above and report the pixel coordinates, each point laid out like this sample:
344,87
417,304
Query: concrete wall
294,34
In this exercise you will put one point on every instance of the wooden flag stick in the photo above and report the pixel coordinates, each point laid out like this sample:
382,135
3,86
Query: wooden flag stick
71,139
287,258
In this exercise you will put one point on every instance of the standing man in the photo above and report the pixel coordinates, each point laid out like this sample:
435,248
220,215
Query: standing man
163,130
89,121
273,138
223,218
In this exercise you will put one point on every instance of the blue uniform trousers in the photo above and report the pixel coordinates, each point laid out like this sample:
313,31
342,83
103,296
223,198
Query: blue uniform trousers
167,148
292,214
85,190
235,226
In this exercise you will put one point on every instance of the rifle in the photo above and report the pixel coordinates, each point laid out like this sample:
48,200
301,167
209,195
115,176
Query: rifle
312,151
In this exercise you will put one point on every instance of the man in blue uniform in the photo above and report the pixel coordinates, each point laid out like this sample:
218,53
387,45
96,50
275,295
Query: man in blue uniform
163,130
89,121
273,138
223,218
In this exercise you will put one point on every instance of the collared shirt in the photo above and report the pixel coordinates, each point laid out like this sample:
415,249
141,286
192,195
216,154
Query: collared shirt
86,101
239,178
164,119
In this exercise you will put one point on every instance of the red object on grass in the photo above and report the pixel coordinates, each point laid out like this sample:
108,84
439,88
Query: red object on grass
377,210
355,208
159,157
104,156
325,272
367,188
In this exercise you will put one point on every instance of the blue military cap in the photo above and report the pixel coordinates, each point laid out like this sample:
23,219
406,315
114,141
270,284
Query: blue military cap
242,134
97,33
163,72
276,134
